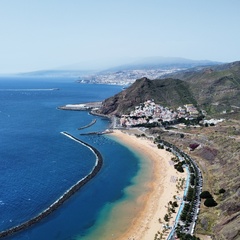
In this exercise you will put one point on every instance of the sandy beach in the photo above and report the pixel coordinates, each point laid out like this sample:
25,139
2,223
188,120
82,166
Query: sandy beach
163,186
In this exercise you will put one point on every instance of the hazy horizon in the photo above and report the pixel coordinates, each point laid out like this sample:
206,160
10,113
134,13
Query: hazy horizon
42,35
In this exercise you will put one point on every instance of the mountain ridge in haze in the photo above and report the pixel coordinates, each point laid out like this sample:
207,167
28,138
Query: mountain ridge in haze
162,62
141,63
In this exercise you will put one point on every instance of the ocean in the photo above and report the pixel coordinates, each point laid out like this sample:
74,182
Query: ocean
38,163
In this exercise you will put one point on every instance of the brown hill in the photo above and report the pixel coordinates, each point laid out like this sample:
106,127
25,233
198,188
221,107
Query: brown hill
215,90
167,92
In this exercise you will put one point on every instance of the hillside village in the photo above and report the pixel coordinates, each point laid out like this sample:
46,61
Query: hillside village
150,112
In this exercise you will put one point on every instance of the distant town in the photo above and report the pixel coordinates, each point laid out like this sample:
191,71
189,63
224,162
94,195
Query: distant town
124,77
150,113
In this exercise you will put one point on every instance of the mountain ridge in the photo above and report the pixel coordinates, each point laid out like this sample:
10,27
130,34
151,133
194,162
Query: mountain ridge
214,89
99,67
162,63
144,89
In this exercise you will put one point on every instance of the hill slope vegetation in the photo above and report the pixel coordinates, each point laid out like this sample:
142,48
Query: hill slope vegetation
217,91
214,89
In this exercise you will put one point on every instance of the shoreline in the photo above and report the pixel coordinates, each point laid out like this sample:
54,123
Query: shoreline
162,187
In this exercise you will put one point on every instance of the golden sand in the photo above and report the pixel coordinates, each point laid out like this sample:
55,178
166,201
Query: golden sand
162,187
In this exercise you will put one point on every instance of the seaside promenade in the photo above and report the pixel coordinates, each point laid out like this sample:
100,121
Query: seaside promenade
149,223
162,182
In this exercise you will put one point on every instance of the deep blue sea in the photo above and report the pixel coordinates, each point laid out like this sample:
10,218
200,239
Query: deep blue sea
38,164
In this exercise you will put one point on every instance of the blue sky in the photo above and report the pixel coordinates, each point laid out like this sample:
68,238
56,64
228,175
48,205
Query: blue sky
47,34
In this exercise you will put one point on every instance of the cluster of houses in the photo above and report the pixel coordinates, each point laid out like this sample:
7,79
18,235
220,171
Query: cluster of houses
150,112
125,77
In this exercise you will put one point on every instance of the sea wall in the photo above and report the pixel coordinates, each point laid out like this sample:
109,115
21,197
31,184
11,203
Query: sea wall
88,125
65,196
81,106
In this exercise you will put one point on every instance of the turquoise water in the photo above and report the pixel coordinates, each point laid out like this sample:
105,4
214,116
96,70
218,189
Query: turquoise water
38,164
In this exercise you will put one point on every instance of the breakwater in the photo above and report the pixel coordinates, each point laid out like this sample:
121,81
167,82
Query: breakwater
88,125
97,133
82,106
65,196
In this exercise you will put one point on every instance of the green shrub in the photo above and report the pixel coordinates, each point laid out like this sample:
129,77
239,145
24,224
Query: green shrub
222,190
210,202
175,204
205,194
166,218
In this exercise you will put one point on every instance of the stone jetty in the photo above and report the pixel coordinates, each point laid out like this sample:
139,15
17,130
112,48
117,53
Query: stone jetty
64,197
91,106
88,125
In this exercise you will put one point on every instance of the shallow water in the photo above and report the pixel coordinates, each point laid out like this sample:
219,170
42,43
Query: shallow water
115,218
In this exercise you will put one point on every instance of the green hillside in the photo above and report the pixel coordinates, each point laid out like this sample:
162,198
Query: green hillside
213,89
216,88
167,92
